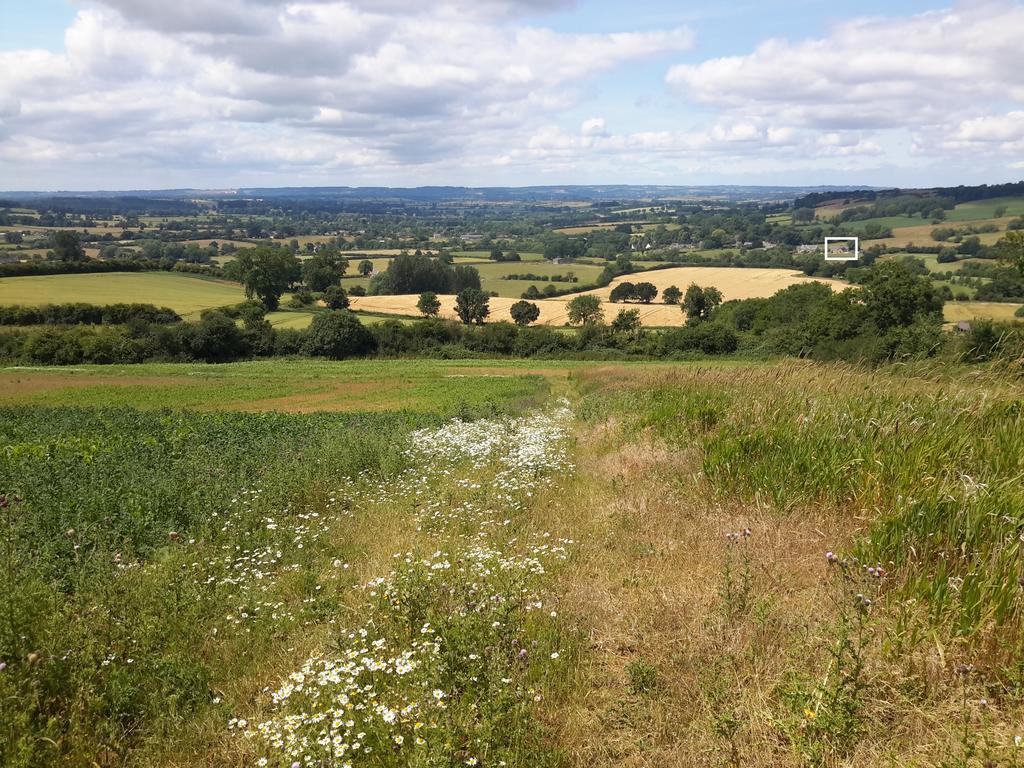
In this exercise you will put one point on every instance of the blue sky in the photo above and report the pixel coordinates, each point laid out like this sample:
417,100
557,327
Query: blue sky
223,93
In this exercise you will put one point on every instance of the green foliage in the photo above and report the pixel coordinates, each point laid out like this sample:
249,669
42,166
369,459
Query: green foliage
428,304
266,272
621,292
86,314
699,303
627,321
67,246
524,312
672,295
419,273
1010,249
643,292
338,334
336,298
324,270
472,306
216,338
585,310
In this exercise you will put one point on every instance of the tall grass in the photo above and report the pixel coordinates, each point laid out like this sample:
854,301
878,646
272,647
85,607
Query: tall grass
934,468
107,516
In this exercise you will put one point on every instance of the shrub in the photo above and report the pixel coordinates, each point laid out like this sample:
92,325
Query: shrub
301,298
472,306
585,310
217,339
429,305
86,314
338,334
336,298
524,312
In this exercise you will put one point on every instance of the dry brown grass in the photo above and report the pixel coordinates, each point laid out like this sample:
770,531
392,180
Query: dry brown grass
647,592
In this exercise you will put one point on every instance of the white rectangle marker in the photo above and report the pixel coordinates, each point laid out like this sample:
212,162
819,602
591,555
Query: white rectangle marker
846,254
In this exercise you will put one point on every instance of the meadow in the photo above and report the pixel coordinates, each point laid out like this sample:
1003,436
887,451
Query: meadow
186,294
499,563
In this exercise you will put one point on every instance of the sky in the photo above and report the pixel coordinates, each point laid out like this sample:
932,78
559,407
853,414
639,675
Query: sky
156,94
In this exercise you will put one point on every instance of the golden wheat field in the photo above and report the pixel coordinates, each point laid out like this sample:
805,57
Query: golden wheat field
551,312
921,234
732,282
956,311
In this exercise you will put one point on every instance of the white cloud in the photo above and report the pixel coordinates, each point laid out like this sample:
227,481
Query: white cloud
872,78
406,91
398,82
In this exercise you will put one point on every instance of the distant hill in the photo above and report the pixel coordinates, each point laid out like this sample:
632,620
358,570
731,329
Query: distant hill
560,193
960,194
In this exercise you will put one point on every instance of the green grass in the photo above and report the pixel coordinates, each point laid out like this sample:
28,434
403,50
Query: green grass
185,294
491,276
986,209
915,456
887,222
290,319
447,387
143,607
486,255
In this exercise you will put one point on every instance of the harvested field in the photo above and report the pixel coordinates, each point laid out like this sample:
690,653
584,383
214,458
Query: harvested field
955,311
734,283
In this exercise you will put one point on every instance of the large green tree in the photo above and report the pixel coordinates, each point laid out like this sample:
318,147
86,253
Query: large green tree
585,310
266,272
428,304
895,297
472,306
1011,250
323,270
699,303
524,312
67,246
338,334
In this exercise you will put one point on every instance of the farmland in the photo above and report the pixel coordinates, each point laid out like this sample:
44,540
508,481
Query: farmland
511,585
955,311
734,284
185,294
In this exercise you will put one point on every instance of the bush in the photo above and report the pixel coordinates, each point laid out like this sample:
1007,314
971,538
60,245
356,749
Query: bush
336,298
86,314
524,312
338,334
301,298
217,339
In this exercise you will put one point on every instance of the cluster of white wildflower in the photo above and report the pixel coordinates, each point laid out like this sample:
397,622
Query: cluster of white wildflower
455,614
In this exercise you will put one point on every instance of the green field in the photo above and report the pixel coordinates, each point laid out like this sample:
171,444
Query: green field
290,319
986,209
491,562
486,255
492,274
374,385
185,294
